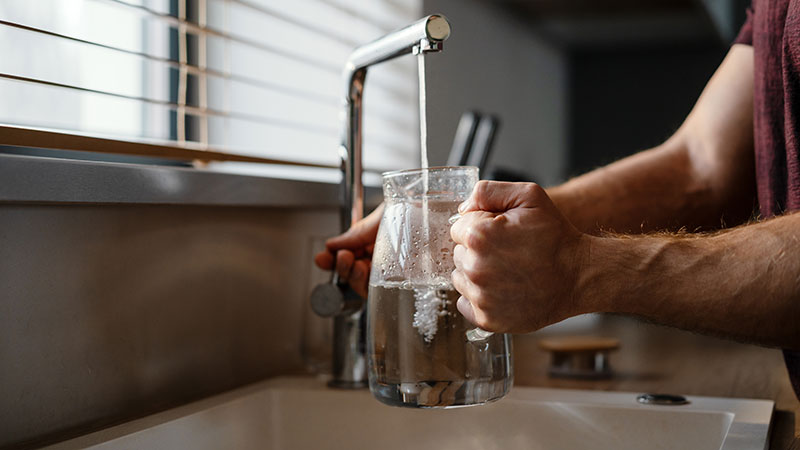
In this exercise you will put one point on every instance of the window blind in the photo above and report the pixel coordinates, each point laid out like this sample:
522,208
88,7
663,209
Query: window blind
246,79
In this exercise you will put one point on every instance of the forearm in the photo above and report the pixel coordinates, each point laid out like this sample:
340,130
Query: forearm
699,179
744,283
652,190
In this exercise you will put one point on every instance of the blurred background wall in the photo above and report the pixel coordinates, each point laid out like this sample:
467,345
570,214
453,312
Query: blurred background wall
497,63
577,84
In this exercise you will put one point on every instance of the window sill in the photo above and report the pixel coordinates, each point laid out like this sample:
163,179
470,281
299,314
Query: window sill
31,179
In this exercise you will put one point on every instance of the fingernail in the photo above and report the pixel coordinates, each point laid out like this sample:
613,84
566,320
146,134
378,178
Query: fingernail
464,306
462,207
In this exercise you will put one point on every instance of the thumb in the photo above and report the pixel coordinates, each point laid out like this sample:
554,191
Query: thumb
499,197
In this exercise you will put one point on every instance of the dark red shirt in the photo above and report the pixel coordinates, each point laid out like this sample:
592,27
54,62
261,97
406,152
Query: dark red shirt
773,29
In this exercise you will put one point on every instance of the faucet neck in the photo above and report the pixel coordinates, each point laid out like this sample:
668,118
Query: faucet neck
423,36
350,151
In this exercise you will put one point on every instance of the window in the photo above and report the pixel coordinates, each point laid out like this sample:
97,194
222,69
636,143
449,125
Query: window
244,78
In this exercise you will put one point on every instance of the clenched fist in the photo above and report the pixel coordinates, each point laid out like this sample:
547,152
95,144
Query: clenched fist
517,259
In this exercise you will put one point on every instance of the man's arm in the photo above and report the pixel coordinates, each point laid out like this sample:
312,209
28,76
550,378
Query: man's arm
743,283
521,265
701,176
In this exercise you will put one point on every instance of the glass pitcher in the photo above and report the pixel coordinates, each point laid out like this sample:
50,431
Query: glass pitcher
418,347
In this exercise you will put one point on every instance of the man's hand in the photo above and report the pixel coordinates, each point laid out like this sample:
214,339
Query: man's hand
517,259
351,252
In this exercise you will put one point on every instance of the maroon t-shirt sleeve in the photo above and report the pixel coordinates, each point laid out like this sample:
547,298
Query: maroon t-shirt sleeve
746,32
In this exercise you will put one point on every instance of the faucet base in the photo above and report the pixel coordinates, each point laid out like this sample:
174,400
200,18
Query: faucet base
343,384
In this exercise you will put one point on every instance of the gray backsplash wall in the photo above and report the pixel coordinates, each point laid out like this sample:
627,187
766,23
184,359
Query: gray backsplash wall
498,64
114,311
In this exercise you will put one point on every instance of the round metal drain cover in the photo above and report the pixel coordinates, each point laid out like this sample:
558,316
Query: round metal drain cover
662,399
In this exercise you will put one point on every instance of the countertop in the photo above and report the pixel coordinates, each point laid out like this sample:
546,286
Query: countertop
658,359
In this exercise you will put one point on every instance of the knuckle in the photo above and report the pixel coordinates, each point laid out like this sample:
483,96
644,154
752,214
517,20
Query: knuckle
458,281
455,234
482,188
487,228
477,276
533,190
474,238
481,226
485,322
479,299
458,253
486,313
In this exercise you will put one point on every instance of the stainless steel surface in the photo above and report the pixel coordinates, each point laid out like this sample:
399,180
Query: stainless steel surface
36,179
662,399
349,365
462,141
332,299
483,142
423,36
297,413
589,365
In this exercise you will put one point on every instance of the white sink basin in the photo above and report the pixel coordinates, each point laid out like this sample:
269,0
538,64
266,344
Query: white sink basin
301,413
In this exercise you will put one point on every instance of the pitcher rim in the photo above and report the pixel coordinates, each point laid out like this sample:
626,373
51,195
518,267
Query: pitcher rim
393,173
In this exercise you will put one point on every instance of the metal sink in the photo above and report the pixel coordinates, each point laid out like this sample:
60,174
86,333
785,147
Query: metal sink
301,413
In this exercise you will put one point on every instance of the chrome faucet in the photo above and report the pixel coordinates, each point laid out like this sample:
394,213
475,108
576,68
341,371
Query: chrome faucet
335,299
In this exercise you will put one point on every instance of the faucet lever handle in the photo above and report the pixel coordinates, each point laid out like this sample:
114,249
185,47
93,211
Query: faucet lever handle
335,299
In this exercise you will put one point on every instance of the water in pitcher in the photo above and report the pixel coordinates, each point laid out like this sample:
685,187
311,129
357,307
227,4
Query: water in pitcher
424,363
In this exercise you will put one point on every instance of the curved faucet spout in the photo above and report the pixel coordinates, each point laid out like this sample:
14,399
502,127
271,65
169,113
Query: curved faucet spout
431,30
423,36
